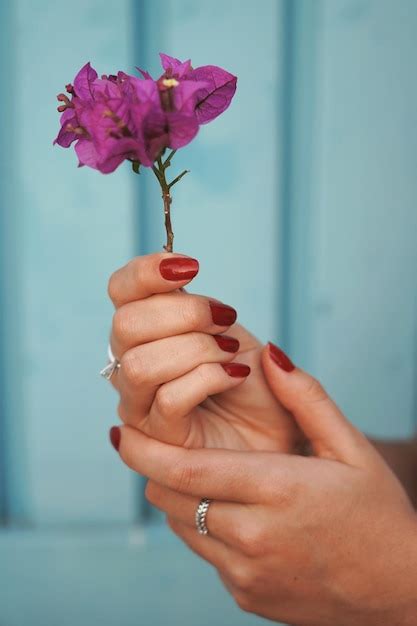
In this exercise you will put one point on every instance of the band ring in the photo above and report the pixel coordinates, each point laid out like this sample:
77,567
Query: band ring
112,366
200,516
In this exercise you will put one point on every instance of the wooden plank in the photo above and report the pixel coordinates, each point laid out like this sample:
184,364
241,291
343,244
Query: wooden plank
75,227
360,265
227,211
108,577
13,470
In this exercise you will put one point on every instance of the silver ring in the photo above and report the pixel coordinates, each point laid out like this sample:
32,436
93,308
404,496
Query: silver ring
200,516
113,365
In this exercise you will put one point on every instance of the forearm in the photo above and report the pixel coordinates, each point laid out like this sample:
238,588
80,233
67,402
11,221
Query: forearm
401,456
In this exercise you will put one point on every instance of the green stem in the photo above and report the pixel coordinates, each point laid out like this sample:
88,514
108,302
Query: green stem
159,172
175,181
168,159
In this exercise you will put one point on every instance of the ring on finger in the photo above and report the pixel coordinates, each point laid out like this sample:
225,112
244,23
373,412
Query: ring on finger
112,366
200,516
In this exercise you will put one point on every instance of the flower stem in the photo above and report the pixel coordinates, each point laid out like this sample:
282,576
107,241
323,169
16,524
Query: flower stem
178,178
168,225
159,168
167,162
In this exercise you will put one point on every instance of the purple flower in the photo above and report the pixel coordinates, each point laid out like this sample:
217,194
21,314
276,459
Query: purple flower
119,117
211,99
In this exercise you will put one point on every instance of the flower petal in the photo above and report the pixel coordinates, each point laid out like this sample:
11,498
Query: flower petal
182,129
83,82
144,73
105,88
116,151
86,153
174,66
213,100
66,137
185,94
145,90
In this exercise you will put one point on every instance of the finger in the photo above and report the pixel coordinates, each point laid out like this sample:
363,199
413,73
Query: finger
331,435
151,274
144,369
162,316
170,417
208,548
196,472
227,522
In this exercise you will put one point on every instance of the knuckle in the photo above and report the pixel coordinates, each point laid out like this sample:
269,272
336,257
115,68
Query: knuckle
130,415
243,601
314,391
199,342
122,324
122,413
242,577
184,475
112,289
152,492
134,269
133,369
204,373
284,490
165,402
252,541
191,312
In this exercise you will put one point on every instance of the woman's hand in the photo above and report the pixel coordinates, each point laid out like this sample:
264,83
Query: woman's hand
322,540
177,382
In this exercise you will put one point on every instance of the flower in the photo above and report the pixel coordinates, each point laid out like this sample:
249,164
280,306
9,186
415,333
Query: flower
211,99
124,117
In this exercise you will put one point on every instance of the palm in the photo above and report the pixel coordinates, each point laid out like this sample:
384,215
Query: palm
247,417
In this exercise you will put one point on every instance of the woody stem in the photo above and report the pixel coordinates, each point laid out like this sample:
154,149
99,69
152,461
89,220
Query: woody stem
159,172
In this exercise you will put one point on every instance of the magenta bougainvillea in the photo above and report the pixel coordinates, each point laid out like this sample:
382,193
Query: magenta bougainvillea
136,118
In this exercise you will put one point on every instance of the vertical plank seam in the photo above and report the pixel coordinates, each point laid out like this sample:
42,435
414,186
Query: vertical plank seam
285,226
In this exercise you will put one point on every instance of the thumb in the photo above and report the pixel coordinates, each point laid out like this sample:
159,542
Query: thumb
331,435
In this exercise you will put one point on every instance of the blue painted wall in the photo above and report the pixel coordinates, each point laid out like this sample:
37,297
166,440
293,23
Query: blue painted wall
301,206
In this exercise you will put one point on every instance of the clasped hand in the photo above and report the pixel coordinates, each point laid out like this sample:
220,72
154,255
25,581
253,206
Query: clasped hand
314,540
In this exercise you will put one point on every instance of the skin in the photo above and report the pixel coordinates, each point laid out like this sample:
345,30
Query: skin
170,382
320,540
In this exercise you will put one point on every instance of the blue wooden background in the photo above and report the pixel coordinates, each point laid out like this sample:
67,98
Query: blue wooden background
301,206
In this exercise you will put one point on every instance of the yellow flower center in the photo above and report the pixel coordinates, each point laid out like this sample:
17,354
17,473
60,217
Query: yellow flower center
170,82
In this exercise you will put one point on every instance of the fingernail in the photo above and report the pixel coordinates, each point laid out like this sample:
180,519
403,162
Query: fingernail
280,358
115,435
222,314
236,370
226,343
178,268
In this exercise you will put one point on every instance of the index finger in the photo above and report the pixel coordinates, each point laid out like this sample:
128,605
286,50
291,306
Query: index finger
150,274
229,475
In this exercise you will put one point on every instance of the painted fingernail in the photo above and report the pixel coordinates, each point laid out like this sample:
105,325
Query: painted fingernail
236,370
280,358
222,314
115,435
178,268
226,343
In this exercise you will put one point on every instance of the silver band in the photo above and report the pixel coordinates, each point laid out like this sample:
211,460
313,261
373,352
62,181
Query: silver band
200,516
113,365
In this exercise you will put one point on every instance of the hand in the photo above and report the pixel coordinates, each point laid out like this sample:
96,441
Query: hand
323,540
176,380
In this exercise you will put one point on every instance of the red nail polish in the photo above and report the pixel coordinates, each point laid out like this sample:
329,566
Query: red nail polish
222,314
226,343
178,268
280,358
236,370
115,435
